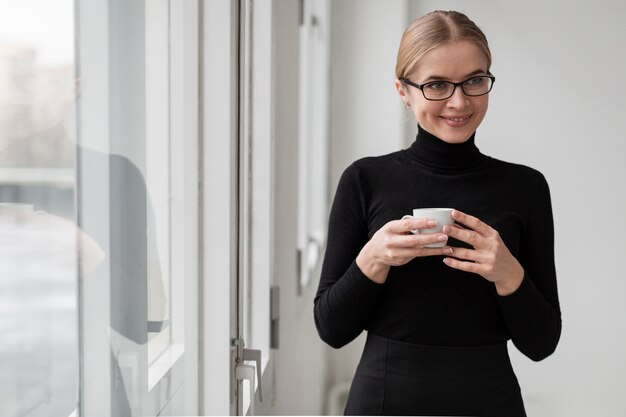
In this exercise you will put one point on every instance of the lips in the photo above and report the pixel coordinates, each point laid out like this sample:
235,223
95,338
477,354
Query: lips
456,121
457,118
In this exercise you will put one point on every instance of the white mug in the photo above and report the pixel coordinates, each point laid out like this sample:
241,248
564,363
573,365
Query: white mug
443,216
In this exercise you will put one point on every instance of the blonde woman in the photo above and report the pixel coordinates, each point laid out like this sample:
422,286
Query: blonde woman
438,319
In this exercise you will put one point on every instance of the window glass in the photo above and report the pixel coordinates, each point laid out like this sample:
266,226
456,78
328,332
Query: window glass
314,122
38,286
138,163
158,175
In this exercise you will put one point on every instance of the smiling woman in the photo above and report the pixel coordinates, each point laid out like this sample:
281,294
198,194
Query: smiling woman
448,112
438,319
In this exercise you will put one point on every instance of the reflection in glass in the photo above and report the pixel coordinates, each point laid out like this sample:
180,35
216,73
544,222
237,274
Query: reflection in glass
38,287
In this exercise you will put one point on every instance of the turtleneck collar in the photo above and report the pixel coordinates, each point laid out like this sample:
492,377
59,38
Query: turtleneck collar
433,152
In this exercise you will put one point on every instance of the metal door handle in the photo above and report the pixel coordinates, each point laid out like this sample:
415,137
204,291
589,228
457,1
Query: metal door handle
255,355
246,372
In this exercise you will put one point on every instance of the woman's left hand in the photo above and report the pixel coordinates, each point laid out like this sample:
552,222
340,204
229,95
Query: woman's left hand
490,257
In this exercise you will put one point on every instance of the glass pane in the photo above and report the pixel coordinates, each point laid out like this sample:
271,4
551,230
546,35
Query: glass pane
158,175
38,286
124,201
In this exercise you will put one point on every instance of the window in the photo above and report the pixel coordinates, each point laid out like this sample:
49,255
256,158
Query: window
256,182
220,215
158,178
38,282
137,198
313,138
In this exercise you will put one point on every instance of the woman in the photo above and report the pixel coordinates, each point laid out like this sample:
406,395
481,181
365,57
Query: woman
438,319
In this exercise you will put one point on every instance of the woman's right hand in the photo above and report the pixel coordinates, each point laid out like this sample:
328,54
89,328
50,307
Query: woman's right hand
395,245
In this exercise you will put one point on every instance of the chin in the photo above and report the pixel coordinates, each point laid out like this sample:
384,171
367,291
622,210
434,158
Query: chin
456,137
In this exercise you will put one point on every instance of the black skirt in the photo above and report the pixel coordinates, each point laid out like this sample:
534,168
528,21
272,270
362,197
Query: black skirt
397,378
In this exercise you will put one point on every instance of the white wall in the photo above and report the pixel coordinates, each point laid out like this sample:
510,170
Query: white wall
366,116
558,105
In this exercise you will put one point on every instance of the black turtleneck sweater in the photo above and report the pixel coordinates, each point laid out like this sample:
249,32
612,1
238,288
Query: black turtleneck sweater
425,301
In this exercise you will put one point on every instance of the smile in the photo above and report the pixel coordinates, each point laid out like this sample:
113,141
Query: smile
456,121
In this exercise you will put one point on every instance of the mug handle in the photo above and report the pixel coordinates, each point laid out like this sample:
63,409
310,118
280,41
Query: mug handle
408,216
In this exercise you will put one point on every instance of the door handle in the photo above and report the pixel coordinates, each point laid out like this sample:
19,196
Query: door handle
247,372
255,355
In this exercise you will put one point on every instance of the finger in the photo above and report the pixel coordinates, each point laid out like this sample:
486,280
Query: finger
418,240
401,256
468,236
462,265
410,223
472,222
466,254
425,251
398,256
435,251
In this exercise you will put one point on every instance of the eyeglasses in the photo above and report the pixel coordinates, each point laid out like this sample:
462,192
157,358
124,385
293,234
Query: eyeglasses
443,90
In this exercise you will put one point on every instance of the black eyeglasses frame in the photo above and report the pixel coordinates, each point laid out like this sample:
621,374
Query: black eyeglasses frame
455,85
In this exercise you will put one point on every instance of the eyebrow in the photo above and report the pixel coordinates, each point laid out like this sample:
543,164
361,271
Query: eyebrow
439,77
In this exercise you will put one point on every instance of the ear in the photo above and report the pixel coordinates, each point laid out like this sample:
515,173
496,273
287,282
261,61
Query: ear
400,89
402,92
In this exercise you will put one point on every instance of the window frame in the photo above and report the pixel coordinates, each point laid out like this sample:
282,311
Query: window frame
155,388
220,217
313,137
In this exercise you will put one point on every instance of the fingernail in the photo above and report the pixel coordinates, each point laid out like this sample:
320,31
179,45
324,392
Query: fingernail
446,228
447,251
432,223
442,238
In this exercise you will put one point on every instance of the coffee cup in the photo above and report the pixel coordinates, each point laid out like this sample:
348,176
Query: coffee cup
443,216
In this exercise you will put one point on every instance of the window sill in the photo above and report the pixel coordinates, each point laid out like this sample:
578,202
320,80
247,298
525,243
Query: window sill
164,363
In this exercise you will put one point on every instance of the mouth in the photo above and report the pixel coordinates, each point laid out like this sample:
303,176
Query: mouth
456,121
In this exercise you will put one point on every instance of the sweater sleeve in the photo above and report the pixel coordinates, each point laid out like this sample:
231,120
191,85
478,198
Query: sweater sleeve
532,313
345,297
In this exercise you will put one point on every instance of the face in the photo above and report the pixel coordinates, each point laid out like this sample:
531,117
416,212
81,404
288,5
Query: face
453,120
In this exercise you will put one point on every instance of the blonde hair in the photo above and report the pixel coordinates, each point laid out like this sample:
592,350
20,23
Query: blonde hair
431,30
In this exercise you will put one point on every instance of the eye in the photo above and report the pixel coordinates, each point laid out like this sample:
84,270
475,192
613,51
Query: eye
436,86
476,81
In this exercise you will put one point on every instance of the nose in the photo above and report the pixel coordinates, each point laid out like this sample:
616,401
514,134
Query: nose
458,98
